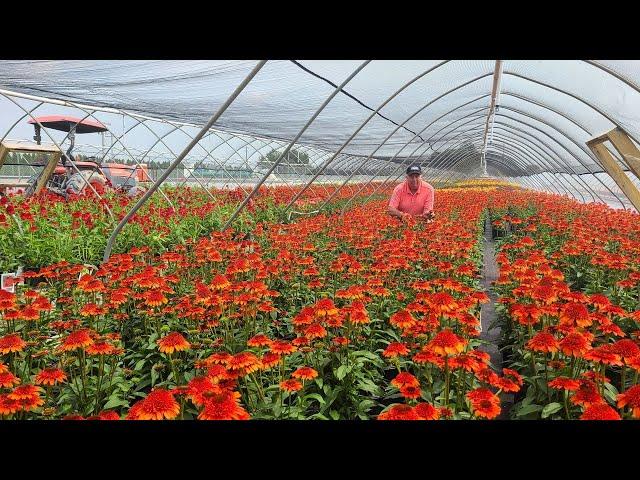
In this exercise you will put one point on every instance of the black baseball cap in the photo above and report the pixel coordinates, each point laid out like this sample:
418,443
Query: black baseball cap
414,169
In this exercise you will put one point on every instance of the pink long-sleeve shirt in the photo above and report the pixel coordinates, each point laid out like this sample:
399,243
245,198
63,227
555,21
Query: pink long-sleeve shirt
417,203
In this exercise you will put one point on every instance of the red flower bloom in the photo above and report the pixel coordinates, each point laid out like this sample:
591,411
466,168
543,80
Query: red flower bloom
426,411
565,383
174,342
158,405
574,344
402,319
631,398
447,343
600,411
291,385
400,412
405,379
8,380
50,376
409,391
77,339
11,343
394,349
305,373
223,406
543,342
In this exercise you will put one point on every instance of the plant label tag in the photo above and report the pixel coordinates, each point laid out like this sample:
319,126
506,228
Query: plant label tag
8,281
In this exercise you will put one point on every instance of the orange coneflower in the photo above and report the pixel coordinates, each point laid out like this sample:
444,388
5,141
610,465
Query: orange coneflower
291,385
259,340
575,344
108,415
442,302
486,408
154,298
600,411
626,348
8,380
282,347
76,339
402,319
447,343
426,411
394,349
305,373
158,405
8,406
198,387
543,342
315,330
405,379
565,383
410,392
270,360
325,308
101,348
575,313
604,354
11,343
586,394
50,376
223,406
631,398
246,362
173,342
400,412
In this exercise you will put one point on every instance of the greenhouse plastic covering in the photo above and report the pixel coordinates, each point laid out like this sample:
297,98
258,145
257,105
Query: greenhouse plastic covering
387,115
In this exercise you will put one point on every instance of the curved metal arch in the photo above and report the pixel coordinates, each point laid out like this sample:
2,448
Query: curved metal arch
300,133
538,152
536,141
24,115
532,152
183,154
474,155
575,97
514,154
500,114
232,136
517,145
409,118
118,139
102,202
365,122
426,144
539,144
442,165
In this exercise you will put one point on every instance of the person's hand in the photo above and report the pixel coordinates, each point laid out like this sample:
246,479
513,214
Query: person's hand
405,216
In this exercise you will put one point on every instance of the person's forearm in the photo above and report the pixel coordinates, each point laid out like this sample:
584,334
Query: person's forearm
394,212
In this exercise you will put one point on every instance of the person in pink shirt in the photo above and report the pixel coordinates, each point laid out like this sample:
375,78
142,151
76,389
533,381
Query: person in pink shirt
413,197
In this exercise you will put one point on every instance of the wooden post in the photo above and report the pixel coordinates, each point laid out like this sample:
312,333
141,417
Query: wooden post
51,150
615,172
627,149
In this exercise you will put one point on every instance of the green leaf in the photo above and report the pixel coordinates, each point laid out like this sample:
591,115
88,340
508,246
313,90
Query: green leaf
116,402
341,372
315,396
550,409
334,415
529,409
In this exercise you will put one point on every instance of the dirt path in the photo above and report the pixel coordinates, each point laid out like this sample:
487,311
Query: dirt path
489,274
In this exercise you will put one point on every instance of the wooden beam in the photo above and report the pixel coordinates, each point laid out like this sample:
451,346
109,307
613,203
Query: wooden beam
616,173
47,171
3,153
29,147
627,149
